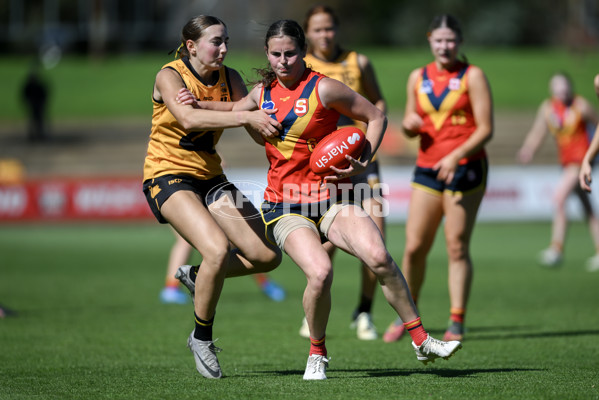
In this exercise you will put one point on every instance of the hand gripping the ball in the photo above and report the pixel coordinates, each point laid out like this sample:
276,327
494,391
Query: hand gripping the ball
336,156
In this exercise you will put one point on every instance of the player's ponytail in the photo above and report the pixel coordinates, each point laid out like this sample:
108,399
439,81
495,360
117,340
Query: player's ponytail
177,51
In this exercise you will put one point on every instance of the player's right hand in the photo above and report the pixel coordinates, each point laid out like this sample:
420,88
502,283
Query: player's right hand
412,123
524,155
261,121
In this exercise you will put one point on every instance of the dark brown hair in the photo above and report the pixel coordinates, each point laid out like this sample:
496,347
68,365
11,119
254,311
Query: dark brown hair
446,21
283,27
451,22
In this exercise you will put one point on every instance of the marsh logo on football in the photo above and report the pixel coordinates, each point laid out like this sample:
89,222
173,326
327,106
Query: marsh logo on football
236,199
353,138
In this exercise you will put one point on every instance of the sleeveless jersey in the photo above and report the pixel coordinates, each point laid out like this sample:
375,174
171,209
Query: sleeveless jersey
570,131
172,149
305,122
345,69
443,102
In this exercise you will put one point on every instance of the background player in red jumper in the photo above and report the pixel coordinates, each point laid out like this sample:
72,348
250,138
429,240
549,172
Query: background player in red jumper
449,108
569,118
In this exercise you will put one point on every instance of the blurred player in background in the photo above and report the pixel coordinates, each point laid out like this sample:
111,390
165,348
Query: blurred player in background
180,254
36,94
184,181
585,176
568,117
587,163
449,108
325,55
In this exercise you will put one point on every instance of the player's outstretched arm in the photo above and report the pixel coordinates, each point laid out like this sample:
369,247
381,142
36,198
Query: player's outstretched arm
535,136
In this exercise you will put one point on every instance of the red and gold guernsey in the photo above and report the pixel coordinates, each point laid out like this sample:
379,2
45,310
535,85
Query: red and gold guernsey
172,149
305,122
566,124
344,68
443,102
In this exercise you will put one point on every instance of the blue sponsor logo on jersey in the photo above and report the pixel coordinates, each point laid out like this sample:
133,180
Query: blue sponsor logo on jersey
267,105
426,86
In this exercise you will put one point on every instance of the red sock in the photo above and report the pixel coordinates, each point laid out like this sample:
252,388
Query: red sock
558,246
416,331
261,279
172,283
457,314
317,346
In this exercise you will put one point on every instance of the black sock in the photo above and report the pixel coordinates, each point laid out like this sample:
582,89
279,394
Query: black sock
193,272
364,306
203,330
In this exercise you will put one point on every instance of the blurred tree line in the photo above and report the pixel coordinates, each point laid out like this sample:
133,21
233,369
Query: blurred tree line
571,23
113,26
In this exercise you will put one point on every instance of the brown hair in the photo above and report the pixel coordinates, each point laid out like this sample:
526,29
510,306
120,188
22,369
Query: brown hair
283,27
320,9
450,22
194,29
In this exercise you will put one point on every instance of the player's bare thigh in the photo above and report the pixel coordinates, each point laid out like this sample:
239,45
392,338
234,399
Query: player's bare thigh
460,214
424,216
567,183
315,262
243,225
353,231
187,214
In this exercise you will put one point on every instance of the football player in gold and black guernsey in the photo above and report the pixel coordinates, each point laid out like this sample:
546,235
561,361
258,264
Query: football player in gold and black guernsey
184,182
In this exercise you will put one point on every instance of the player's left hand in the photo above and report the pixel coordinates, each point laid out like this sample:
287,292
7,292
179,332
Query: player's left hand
585,177
184,96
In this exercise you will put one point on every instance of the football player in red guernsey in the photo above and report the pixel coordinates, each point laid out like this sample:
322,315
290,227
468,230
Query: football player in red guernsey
449,108
301,212
569,117
327,56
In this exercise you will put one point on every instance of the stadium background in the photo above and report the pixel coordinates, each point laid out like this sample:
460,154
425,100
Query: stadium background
89,323
99,59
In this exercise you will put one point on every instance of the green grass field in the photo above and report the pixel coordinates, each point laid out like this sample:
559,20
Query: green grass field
121,86
90,325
